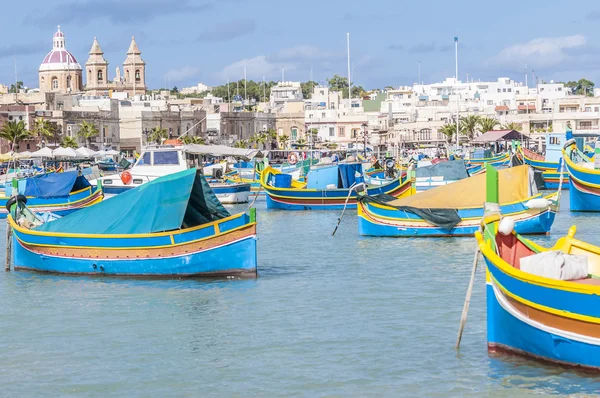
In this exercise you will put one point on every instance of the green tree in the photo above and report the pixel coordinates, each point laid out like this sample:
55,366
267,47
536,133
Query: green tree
283,140
87,131
585,87
14,132
158,135
241,144
487,124
261,139
449,130
69,142
512,126
307,88
468,125
44,129
338,83
192,139
301,142
19,86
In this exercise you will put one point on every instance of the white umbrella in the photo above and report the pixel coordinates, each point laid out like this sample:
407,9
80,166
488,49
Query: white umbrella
22,155
85,152
100,154
42,153
112,152
61,152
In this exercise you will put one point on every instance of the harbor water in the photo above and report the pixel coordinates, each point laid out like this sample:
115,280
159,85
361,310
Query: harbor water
328,316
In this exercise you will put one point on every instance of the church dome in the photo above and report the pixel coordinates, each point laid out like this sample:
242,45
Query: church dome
59,59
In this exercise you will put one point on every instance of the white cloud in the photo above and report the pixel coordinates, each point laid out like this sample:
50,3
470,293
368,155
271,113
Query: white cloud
540,52
187,72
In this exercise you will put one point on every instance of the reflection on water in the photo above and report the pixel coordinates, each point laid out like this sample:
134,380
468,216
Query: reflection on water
343,315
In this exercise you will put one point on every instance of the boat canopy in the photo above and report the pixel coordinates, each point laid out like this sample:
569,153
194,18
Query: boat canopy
53,184
342,175
222,150
515,183
452,170
178,200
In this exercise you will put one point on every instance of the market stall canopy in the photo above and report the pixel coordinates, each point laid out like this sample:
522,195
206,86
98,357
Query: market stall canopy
85,152
42,153
62,152
500,135
221,150
112,152
23,155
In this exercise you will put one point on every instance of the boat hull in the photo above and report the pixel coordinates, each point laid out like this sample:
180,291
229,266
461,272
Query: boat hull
526,319
223,248
333,199
60,206
584,191
376,220
552,179
231,193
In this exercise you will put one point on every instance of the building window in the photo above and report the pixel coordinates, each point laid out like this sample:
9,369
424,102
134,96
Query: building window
490,102
55,83
560,89
353,133
28,146
68,81
341,131
509,90
499,90
596,109
137,75
294,133
100,76
323,115
331,132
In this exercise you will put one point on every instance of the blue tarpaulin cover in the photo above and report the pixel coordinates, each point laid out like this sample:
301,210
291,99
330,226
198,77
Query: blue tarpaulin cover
54,184
159,205
348,173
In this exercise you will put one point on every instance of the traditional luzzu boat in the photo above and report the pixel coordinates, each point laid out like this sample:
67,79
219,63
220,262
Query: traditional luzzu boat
58,193
477,165
541,303
550,164
438,174
173,226
585,179
456,209
327,188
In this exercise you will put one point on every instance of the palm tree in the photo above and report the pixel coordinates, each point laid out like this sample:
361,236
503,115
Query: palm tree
44,129
512,126
301,142
283,140
487,124
272,134
252,140
14,132
261,139
468,125
241,144
158,134
87,131
189,139
449,130
69,142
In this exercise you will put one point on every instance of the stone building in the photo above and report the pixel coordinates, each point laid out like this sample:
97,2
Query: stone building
60,72
133,81
175,122
236,126
16,113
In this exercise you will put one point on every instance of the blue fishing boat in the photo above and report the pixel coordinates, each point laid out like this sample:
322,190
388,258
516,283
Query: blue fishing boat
541,303
173,226
327,188
476,165
58,193
455,209
585,179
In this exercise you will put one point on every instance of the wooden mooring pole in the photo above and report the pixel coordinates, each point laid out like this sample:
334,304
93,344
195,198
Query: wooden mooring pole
8,246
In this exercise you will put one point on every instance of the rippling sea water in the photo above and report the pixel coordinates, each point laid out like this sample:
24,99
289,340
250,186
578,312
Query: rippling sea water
328,316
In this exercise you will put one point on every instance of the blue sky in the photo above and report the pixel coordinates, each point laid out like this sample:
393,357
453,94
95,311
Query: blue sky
191,41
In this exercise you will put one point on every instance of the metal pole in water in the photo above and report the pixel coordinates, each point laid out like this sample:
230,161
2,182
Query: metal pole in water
8,246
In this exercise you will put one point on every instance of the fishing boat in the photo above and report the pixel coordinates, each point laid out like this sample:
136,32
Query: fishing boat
549,164
329,187
440,173
477,165
173,226
541,303
161,160
58,193
585,179
455,209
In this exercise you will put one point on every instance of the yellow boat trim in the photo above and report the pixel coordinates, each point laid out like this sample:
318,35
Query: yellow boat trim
562,313
102,236
577,167
508,269
139,247
71,203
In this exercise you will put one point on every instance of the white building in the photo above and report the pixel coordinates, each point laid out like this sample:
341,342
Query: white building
199,88
285,92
